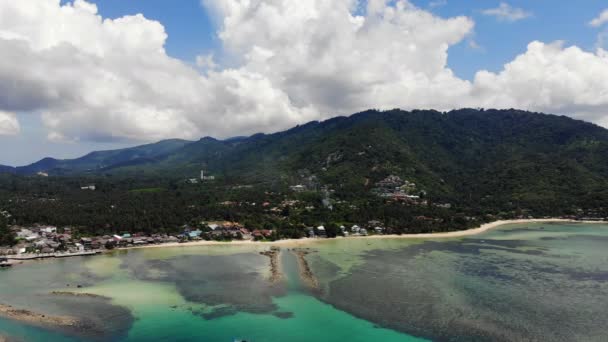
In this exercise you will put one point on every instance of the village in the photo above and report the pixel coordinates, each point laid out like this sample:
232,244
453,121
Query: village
40,241
44,241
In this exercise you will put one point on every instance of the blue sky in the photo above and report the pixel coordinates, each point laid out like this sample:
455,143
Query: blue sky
192,31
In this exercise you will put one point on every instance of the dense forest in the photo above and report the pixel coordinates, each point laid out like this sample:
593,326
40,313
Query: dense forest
158,205
6,236
468,166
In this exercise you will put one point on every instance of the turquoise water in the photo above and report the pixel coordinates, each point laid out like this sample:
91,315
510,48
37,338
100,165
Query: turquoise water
541,281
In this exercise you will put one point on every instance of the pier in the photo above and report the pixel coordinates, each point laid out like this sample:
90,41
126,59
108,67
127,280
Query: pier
23,257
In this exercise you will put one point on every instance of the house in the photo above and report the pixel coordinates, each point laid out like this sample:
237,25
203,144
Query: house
390,182
264,233
88,187
195,234
63,238
355,229
298,188
86,243
48,230
46,250
41,243
24,233
245,233
171,239
379,230
138,241
321,231
363,232
31,238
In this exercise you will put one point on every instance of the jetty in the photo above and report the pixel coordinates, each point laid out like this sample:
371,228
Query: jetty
36,256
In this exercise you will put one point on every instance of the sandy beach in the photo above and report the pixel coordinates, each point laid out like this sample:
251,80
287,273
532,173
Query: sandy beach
305,241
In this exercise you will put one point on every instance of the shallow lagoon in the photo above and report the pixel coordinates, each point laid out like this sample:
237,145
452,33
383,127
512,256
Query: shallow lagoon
537,281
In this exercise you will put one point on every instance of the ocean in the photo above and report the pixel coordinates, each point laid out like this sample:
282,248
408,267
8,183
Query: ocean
541,281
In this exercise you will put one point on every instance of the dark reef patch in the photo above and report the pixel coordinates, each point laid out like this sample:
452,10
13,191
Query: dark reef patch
283,315
231,282
476,290
98,318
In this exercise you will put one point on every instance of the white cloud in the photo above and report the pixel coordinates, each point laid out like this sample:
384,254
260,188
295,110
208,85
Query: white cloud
206,62
600,20
292,61
438,3
549,78
8,124
506,12
320,54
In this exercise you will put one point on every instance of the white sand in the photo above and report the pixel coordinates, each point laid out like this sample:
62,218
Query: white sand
304,241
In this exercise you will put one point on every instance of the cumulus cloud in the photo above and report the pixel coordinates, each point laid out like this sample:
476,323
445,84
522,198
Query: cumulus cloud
549,78
291,61
206,61
294,61
506,12
321,54
8,124
600,19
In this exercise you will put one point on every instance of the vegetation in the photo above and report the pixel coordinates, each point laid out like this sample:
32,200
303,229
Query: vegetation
485,164
7,238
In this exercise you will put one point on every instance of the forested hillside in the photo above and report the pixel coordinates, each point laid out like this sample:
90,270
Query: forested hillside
478,162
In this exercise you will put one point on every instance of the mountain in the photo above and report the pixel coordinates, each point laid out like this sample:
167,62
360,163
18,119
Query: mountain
104,160
474,155
6,169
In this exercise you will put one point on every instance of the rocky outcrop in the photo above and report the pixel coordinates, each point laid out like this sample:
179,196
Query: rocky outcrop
33,318
275,267
306,274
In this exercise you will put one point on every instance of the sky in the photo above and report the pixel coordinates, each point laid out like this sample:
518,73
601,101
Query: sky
77,76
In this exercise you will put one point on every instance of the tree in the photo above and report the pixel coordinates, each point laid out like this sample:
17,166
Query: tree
7,237
332,230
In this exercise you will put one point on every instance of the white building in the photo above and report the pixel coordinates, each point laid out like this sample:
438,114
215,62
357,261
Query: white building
204,178
48,229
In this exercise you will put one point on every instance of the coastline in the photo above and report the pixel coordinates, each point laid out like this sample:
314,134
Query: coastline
306,241
294,243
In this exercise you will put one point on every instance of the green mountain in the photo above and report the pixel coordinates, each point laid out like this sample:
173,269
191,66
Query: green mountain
6,169
464,155
102,160
468,166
